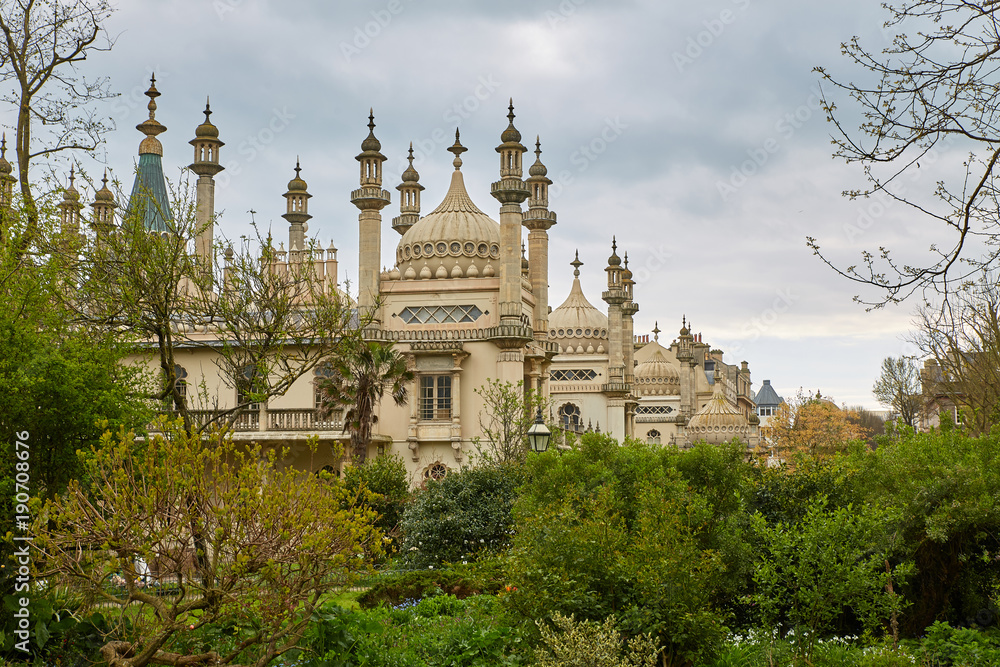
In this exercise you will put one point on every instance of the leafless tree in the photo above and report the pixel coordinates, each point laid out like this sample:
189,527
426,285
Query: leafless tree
933,89
898,387
42,45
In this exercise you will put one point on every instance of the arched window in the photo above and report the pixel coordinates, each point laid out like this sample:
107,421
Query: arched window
570,418
653,437
180,383
436,471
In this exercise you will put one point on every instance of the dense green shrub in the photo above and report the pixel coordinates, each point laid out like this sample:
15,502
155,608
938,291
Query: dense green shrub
463,517
395,588
385,476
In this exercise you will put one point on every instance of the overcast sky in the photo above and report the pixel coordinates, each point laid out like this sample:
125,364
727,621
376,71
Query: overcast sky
692,131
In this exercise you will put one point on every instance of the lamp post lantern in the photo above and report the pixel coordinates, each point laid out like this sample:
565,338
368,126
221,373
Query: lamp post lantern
539,434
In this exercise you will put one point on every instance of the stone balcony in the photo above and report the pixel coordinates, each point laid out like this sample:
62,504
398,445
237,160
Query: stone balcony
271,422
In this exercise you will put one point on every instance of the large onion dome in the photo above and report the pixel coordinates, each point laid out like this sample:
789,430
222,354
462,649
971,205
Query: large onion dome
657,376
718,421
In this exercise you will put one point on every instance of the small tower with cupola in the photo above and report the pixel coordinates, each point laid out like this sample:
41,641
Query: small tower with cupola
370,199
206,165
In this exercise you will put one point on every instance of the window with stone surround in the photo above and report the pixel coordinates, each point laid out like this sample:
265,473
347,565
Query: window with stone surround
570,418
435,397
573,375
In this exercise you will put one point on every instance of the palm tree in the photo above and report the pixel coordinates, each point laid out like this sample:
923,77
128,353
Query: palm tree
358,381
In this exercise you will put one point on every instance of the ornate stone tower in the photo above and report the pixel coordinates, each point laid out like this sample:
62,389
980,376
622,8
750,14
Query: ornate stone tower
297,215
510,191
370,199
206,165
409,196
617,388
103,220
7,182
685,355
511,335
629,309
69,210
538,219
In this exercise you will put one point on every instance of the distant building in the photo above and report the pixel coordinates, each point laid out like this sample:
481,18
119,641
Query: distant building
767,402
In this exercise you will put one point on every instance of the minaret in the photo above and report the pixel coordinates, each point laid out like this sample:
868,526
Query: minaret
617,388
103,221
149,203
685,355
69,210
7,182
206,165
538,219
297,215
409,196
629,309
370,199
510,191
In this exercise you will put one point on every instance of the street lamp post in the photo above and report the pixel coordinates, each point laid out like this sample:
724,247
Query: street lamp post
539,434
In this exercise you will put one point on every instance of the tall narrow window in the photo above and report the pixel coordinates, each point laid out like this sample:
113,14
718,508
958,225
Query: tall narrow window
435,397
180,383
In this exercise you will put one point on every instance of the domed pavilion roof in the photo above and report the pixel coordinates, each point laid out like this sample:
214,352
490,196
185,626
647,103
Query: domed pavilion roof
577,325
718,421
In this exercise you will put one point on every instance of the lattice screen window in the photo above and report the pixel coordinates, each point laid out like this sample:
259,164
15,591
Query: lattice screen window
435,397
572,375
440,314
653,410
653,437
570,419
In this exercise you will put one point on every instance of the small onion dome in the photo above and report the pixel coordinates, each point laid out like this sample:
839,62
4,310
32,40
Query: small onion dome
410,175
206,129
684,327
626,273
104,194
371,143
297,184
510,135
5,167
577,324
718,421
71,194
614,260
538,169
656,375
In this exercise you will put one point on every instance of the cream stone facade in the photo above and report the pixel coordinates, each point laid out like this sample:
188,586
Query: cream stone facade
464,305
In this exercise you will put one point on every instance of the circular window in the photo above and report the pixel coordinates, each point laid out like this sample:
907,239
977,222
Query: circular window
406,252
552,333
561,333
586,332
579,332
428,249
436,471
416,251
604,333
483,249
456,248
470,248
442,248
495,250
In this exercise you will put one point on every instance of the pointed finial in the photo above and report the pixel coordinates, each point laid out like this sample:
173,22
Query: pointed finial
3,146
522,249
410,156
614,244
104,180
576,264
538,147
208,109
626,260
297,167
72,175
656,331
371,118
510,115
457,149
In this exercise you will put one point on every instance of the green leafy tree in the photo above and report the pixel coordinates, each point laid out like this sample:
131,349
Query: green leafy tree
508,412
277,542
360,379
386,481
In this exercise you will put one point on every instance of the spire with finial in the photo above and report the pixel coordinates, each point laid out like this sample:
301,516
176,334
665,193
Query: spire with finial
538,184
656,332
151,127
511,150
297,213
371,159
524,262
70,206
457,149
370,199
409,198
576,264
